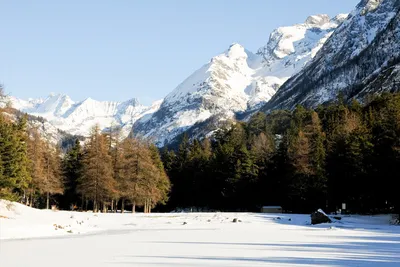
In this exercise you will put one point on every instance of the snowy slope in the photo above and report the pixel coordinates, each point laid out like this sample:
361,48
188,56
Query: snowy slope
78,118
46,129
206,239
361,57
237,80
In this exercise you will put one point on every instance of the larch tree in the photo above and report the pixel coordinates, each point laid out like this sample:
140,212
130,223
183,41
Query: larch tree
45,168
53,182
36,156
143,178
129,184
115,152
97,183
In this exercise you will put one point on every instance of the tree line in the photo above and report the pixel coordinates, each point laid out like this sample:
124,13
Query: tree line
105,173
29,167
302,160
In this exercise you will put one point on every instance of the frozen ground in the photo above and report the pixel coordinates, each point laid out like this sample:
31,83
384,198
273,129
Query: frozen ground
28,238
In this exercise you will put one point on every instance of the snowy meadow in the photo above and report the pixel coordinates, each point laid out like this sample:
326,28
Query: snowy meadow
31,237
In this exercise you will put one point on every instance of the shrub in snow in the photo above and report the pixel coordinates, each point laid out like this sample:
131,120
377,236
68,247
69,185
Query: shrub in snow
396,219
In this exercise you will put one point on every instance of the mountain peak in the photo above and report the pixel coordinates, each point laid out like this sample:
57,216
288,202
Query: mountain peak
88,100
133,102
318,20
340,18
236,51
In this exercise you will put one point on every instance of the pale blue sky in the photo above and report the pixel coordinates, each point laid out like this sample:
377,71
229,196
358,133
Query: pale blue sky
117,50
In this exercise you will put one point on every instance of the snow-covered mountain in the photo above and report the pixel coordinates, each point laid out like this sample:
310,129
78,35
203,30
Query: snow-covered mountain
234,82
78,118
237,80
360,58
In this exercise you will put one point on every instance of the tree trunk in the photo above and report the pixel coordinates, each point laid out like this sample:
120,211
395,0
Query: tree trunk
133,206
112,205
149,206
122,206
47,200
82,202
116,205
94,206
104,207
31,199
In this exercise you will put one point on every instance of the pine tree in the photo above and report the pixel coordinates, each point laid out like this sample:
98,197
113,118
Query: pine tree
245,181
7,179
72,168
163,183
21,155
15,162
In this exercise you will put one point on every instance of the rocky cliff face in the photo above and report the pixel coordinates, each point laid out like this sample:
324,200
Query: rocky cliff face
360,58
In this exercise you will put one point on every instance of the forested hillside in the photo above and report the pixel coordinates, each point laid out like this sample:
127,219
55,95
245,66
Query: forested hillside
302,159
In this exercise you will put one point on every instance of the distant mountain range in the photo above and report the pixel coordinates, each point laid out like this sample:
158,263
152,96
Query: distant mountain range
78,118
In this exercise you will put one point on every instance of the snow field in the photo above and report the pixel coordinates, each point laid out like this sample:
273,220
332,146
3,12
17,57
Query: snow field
28,238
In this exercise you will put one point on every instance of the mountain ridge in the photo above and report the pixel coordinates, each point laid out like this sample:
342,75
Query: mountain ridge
362,49
77,118
237,80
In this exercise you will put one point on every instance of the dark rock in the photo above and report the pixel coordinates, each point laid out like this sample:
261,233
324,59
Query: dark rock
337,218
184,223
319,217
235,220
